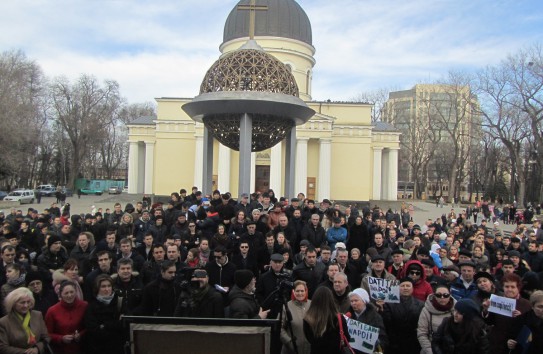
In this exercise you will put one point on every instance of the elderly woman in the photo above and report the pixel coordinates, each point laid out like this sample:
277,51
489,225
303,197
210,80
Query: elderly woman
362,310
437,307
298,307
533,321
22,330
104,329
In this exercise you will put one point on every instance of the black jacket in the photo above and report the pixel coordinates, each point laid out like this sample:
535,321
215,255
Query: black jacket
104,333
311,275
315,235
210,305
242,305
401,322
159,298
447,338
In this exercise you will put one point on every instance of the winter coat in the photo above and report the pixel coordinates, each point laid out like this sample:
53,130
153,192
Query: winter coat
210,305
328,343
401,324
421,289
316,236
159,298
311,275
130,293
104,329
13,337
242,305
535,324
429,321
359,237
222,275
371,317
447,338
298,310
62,319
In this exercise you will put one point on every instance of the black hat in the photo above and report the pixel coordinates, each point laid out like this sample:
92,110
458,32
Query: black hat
176,237
397,251
276,257
469,264
467,307
513,253
33,275
465,252
480,275
377,257
52,239
416,227
243,277
429,262
406,279
515,239
199,273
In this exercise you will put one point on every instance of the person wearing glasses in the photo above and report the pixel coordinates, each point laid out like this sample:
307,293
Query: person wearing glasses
415,271
437,307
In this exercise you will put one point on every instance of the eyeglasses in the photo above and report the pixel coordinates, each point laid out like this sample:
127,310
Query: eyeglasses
442,295
414,272
243,246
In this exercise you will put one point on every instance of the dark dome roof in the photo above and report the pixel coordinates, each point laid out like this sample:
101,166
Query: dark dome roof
283,18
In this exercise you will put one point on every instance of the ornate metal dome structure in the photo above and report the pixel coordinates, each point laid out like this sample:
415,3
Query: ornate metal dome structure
250,70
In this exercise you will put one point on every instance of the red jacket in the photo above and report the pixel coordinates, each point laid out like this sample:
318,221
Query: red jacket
63,319
422,288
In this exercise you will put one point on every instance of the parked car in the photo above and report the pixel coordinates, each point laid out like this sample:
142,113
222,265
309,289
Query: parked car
21,195
3,194
68,192
115,190
47,192
85,191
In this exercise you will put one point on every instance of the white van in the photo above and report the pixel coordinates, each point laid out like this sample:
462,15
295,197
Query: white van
21,195
45,186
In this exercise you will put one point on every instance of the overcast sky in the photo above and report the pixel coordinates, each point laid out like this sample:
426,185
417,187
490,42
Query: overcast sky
162,48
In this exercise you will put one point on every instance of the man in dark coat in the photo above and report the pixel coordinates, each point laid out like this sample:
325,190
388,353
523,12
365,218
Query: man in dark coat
314,232
201,300
160,296
243,303
309,271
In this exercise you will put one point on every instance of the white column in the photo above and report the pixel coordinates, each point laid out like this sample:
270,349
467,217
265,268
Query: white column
253,171
392,173
276,168
199,162
325,158
133,160
384,175
301,165
149,166
224,168
377,153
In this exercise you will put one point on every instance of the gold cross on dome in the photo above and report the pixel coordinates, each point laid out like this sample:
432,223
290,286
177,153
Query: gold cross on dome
252,7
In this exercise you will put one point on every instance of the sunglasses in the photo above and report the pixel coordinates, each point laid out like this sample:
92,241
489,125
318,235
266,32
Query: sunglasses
414,272
243,246
442,295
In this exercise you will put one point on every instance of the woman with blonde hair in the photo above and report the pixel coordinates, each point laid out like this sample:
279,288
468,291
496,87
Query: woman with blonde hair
22,330
321,326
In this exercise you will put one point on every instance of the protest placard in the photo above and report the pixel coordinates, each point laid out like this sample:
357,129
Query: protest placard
384,289
363,336
502,305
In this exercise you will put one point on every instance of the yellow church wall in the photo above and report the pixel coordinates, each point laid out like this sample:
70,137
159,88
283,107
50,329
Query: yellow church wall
170,109
174,163
351,169
345,113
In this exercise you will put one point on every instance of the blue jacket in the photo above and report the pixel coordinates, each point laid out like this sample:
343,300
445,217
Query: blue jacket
459,291
335,235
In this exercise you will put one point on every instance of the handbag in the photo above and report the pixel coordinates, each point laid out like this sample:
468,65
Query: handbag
344,346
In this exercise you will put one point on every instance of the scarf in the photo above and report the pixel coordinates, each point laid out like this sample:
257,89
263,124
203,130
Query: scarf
26,326
106,300
443,308
18,281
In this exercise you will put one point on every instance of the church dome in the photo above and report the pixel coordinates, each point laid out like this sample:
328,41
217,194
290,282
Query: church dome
249,69
283,18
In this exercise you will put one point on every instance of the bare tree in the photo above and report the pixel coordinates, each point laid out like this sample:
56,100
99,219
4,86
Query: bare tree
83,110
21,116
377,98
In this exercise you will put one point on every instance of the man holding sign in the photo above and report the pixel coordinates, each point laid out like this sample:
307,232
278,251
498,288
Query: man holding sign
494,312
363,312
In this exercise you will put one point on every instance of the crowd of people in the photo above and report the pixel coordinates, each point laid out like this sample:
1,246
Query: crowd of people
66,280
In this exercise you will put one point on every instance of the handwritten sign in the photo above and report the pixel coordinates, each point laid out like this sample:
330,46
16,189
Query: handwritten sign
363,336
384,289
502,305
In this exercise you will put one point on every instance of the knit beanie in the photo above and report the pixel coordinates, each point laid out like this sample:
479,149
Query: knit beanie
363,294
467,308
243,277
52,239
